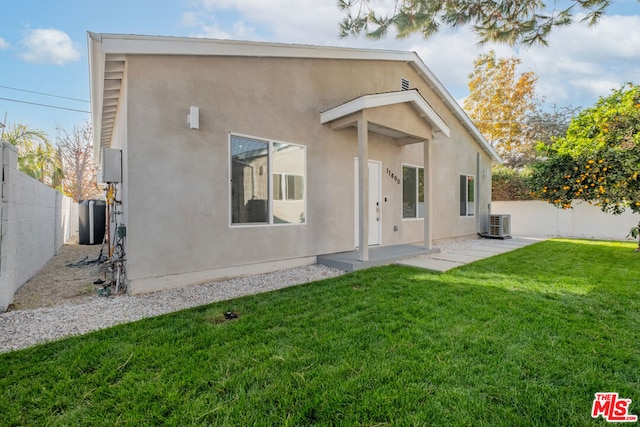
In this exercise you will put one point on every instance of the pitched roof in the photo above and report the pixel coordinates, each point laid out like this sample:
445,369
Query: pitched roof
107,54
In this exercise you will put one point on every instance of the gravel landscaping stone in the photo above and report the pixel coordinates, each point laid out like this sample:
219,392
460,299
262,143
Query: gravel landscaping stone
25,328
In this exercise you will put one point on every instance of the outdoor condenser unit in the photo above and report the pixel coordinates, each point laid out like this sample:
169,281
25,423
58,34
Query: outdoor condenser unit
500,226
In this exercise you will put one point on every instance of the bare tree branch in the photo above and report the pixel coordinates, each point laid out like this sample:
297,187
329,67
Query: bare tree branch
76,151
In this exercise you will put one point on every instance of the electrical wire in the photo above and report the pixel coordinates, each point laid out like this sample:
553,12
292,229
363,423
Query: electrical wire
43,93
45,105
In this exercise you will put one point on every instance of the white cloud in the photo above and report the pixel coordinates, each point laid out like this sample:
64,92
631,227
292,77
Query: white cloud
580,63
244,31
3,43
288,21
583,63
191,19
212,32
49,46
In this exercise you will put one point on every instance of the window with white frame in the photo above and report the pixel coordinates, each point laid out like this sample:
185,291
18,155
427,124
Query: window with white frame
412,192
267,182
467,195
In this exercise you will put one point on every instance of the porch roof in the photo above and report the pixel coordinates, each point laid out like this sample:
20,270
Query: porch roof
344,115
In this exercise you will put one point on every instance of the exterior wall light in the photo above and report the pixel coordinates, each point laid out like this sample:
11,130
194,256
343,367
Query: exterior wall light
194,117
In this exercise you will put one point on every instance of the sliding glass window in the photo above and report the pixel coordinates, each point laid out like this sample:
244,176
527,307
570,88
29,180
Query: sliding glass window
267,182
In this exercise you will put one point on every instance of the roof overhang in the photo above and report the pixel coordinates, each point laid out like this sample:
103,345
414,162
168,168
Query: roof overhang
435,84
106,72
113,48
411,97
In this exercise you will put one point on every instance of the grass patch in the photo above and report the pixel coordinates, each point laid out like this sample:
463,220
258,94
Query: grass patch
524,338
86,290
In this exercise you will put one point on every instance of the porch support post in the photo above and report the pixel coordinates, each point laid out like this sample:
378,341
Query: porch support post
363,188
427,194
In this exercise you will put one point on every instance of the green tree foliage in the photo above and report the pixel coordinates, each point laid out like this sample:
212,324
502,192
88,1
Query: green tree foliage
598,160
511,184
500,101
37,157
509,21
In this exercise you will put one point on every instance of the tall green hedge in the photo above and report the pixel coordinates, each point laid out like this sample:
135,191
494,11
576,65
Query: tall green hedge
511,184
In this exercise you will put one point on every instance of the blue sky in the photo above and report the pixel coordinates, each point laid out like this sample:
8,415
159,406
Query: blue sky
43,47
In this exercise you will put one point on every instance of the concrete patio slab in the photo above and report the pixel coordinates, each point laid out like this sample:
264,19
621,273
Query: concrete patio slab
476,250
457,257
430,263
378,255
480,254
498,249
517,241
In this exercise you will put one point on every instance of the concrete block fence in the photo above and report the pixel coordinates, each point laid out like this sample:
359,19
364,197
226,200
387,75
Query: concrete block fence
35,221
538,218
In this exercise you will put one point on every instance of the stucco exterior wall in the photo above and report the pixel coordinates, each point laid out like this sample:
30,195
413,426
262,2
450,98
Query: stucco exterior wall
178,179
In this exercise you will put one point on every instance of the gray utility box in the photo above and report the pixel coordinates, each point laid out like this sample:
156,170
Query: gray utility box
111,165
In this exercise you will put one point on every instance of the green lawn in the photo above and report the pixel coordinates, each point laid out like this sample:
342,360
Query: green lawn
524,338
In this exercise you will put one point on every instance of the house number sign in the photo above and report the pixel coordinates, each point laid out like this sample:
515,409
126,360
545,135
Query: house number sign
393,176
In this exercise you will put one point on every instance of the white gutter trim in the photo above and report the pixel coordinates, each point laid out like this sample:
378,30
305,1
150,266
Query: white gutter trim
161,45
384,99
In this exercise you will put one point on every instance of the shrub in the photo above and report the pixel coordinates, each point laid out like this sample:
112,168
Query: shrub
511,184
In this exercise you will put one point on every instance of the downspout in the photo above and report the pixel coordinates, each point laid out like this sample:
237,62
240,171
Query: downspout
428,238
479,221
363,188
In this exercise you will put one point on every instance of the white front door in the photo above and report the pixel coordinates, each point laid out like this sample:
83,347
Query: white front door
375,203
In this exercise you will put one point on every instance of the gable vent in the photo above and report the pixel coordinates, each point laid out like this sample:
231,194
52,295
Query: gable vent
405,84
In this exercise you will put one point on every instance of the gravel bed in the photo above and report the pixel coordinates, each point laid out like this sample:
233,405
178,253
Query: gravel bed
24,328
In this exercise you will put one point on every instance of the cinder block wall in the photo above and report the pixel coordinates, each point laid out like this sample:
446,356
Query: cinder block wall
36,220
8,233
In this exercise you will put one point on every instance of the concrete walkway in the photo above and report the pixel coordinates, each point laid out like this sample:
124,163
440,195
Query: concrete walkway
455,255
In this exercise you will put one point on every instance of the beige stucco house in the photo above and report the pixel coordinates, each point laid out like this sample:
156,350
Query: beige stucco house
244,157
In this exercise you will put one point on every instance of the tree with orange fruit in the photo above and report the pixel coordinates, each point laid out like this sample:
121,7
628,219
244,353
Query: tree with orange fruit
598,160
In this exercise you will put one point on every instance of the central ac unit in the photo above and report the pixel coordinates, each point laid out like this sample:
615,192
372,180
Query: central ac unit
500,226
